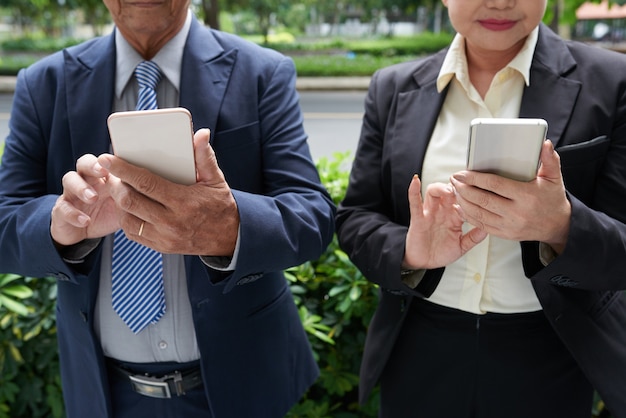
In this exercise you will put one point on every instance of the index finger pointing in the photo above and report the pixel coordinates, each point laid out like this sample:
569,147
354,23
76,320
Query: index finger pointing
136,177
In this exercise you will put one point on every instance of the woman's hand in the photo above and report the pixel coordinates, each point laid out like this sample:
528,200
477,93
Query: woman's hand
435,237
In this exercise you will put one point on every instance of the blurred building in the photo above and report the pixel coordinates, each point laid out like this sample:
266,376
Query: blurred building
599,22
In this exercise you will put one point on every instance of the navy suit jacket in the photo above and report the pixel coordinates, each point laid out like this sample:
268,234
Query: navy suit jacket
256,359
581,92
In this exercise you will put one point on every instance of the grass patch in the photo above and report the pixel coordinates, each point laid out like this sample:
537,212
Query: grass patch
10,65
343,65
333,57
425,43
38,44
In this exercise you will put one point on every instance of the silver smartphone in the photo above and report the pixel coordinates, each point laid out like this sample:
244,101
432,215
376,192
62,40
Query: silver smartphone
507,147
159,140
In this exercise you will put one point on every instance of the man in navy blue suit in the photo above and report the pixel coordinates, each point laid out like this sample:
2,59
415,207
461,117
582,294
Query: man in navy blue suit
230,343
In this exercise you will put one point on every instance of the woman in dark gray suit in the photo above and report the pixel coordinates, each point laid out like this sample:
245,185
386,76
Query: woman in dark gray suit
499,298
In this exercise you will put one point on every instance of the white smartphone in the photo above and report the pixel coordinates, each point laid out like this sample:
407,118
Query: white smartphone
159,140
508,147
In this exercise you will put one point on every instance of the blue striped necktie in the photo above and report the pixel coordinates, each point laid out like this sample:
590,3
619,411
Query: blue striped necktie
137,271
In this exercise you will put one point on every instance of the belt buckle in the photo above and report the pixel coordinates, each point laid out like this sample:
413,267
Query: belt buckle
157,387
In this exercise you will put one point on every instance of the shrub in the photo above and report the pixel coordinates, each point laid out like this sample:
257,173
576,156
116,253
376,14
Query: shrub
30,386
336,304
422,44
327,57
342,65
334,300
10,66
38,44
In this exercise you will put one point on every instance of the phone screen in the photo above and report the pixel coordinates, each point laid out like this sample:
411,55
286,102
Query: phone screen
159,140
507,147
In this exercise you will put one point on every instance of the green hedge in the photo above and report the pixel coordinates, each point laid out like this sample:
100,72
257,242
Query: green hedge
423,43
30,385
335,303
37,44
332,57
334,300
346,65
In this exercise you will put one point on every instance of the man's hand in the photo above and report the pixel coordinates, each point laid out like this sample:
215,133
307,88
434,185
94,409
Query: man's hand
534,211
85,209
435,237
200,219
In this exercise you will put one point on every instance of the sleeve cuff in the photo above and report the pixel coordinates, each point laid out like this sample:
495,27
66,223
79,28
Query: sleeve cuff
546,254
76,254
222,263
412,278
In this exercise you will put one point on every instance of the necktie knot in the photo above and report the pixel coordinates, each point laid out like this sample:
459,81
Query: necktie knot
148,74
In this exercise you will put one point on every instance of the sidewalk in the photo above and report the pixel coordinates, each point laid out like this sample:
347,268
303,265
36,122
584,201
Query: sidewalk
332,83
7,83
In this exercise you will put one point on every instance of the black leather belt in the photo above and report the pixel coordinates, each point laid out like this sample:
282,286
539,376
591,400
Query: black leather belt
175,383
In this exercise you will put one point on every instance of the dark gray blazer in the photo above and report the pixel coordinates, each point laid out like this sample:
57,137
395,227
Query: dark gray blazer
581,92
256,359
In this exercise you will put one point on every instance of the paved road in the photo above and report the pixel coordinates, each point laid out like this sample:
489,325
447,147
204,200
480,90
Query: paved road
5,109
332,119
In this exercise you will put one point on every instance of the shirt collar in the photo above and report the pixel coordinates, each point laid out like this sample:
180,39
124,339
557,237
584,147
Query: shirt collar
169,58
455,61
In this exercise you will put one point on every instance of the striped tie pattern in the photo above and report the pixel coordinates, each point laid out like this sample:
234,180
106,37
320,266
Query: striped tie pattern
137,271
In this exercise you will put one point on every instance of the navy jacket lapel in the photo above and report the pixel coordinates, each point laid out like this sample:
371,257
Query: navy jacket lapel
205,73
88,68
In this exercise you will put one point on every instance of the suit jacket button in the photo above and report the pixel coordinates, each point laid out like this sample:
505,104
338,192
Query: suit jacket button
61,276
249,278
562,280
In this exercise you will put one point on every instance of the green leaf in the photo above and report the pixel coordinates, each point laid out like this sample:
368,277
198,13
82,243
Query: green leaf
15,353
337,290
322,336
32,333
355,293
298,290
8,278
19,291
344,305
13,305
5,320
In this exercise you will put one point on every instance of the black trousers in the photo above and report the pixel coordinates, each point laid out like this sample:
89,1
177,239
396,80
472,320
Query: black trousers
127,403
452,364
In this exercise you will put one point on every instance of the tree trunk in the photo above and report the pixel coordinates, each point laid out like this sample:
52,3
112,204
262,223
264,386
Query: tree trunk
211,13
554,25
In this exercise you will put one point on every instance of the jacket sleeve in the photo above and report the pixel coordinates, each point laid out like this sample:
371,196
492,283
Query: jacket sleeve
26,198
368,226
290,220
594,172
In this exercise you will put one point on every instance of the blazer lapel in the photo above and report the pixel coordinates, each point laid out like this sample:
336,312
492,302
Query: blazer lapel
88,69
551,95
205,73
422,109
417,114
